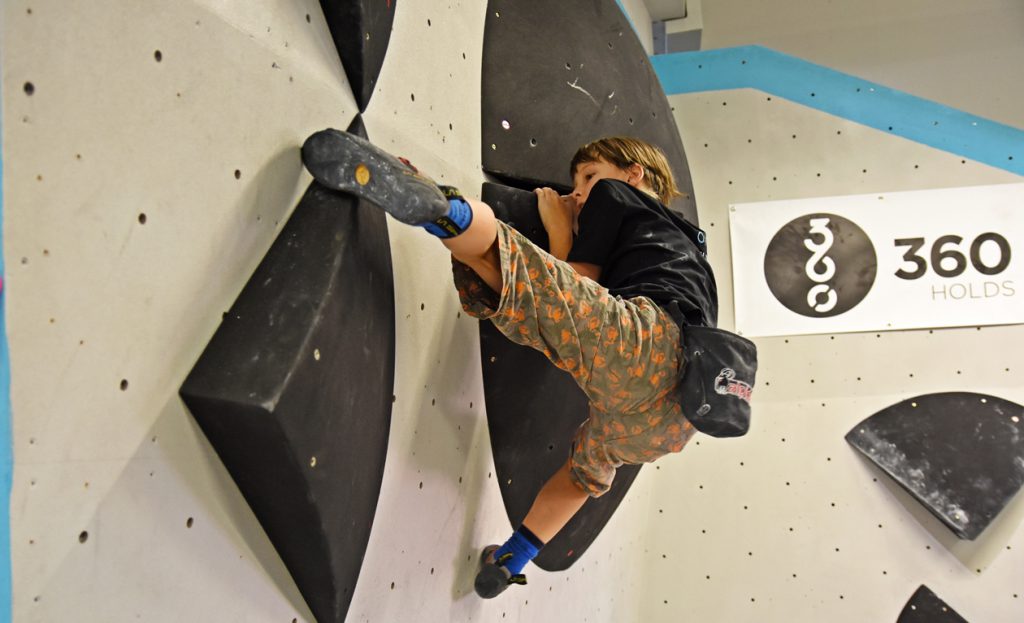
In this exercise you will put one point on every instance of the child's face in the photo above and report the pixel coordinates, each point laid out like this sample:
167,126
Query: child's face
588,174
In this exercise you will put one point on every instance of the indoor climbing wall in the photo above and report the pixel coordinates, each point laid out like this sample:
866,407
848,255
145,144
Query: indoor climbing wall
151,160
791,522
158,160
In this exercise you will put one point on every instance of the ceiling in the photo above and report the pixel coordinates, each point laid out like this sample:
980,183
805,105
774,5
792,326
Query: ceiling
665,9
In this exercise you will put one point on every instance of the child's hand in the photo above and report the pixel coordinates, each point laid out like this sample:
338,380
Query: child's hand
556,213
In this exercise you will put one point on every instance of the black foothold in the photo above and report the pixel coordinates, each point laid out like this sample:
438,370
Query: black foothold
361,30
958,453
262,399
925,606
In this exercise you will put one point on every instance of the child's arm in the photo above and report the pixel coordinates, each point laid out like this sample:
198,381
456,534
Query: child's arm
593,271
557,215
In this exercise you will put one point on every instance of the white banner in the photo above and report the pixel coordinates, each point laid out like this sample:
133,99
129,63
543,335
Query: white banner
924,259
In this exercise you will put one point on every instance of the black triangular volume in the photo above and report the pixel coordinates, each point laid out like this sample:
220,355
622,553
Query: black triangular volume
361,31
294,391
358,127
926,607
528,450
517,208
548,89
959,454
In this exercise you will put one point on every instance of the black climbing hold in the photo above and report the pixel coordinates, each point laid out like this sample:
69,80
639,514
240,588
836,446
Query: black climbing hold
926,607
361,31
570,87
518,208
294,391
959,454
533,411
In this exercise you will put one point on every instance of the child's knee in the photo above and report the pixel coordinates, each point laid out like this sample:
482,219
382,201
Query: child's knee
589,466
594,483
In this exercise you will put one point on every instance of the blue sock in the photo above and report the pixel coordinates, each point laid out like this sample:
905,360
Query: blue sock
458,218
524,547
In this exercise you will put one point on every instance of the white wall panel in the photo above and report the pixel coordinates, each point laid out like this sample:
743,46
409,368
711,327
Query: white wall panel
790,523
108,310
120,508
439,501
966,55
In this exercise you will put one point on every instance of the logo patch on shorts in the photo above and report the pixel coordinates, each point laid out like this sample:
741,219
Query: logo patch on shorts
727,384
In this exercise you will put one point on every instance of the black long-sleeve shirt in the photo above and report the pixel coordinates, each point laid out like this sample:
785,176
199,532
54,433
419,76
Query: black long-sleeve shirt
645,249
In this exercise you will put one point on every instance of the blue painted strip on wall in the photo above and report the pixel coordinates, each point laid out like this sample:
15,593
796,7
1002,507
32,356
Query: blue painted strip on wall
845,96
6,454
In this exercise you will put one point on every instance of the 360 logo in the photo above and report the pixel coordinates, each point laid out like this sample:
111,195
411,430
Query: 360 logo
820,265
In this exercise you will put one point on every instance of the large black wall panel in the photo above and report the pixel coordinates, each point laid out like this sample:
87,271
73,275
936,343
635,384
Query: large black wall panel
533,411
361,30
557,75
959,454
294,391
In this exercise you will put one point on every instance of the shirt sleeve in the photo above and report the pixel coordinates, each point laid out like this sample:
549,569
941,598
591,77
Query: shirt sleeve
599,221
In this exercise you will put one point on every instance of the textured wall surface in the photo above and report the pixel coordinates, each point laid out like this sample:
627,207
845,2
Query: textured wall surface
151,156
157,159
790,523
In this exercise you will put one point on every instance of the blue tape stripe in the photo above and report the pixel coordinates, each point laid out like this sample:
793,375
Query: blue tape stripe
898,113
6,451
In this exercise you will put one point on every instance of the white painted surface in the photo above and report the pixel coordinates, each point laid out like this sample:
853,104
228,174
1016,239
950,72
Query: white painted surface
692,20
106,314
107,480
667,9
966,55
96,297
788,523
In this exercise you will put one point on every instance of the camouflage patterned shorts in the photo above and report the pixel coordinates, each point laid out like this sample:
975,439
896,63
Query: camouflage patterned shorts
624,354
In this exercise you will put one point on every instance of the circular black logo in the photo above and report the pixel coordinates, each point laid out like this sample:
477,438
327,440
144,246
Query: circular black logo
820,265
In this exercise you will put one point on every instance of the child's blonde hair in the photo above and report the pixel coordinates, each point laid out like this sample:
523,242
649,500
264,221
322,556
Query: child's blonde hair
623,151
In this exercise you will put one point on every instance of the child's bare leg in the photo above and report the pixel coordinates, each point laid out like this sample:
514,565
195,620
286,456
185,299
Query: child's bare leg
477,247
555,505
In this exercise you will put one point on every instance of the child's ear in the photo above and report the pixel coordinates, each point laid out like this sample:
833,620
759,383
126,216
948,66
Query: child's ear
635,174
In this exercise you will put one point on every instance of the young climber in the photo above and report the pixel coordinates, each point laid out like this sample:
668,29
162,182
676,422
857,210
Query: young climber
607,304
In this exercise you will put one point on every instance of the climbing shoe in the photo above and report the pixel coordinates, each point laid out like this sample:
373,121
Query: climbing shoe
493,578
351,164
